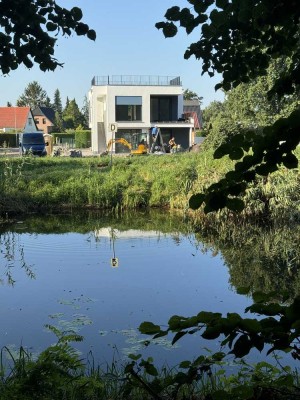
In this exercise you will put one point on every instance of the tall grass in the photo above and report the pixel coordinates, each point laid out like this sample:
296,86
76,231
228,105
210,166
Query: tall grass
31,184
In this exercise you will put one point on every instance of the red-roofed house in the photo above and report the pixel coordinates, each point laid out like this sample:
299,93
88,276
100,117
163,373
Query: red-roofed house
17,119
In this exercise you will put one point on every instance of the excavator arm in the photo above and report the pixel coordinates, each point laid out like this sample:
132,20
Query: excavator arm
121,140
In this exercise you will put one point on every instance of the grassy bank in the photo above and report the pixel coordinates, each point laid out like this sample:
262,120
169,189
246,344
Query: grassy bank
51,184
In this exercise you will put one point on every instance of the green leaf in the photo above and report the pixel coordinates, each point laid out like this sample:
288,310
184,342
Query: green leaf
217,17
175,322
236,153
51,26
76,13
151,370
91,34
206,316
173,14
222,150
169,29
250,325
185,364
134,357
211,332
217,201
290,161
221,3
196,201
236,205
178,336
148,328
81,29
242,346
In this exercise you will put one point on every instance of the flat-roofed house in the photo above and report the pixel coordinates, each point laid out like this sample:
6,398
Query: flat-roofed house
136,105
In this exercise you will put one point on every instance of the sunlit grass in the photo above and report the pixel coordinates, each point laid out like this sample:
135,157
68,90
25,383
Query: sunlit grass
30,184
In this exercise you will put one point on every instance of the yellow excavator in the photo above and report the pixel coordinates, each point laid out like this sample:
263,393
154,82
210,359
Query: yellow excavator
141,148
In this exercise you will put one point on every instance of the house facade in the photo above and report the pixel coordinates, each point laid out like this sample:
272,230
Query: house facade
16,119
44,118
135,105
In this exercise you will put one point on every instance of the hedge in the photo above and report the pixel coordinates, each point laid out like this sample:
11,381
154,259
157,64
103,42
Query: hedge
81,139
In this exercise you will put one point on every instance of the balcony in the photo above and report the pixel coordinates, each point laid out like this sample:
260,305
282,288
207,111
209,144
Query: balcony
136,80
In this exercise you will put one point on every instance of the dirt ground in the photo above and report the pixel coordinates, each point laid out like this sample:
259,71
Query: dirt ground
14,152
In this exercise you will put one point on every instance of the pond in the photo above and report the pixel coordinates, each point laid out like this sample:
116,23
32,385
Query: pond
101,276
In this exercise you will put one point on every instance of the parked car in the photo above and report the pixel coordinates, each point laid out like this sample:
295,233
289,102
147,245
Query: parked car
33,143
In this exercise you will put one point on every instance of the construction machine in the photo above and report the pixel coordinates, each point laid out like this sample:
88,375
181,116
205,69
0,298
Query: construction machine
141,147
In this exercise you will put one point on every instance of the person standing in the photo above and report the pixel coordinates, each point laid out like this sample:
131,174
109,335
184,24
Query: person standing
172,145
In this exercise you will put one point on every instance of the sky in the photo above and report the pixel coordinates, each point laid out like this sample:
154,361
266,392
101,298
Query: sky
127,44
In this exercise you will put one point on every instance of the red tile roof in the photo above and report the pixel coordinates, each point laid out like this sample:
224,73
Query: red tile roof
13,117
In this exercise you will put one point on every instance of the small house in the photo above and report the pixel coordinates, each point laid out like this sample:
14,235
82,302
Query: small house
44,118
16,119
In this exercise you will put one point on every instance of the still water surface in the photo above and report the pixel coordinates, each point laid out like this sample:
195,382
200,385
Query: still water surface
66,279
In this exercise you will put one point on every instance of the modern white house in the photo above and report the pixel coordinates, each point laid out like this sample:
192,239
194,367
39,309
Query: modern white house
134,105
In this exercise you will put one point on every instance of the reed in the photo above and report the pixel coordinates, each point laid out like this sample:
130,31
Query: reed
31,184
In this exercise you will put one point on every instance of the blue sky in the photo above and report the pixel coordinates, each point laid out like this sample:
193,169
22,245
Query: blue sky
127,44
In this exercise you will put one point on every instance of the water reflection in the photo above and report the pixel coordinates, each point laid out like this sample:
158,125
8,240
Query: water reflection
264,259
166,270
12,256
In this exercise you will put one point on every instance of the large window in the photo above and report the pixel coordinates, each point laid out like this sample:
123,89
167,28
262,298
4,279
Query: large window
161,108
128,108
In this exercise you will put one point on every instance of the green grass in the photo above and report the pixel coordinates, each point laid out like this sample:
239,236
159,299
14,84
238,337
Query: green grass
51,184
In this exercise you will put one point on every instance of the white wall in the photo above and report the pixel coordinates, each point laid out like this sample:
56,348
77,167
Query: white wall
102,106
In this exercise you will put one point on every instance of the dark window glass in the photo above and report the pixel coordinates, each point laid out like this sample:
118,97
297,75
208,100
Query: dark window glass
161,109
128,108
33,138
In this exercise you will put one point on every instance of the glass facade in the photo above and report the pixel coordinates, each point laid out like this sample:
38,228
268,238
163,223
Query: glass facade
128,108
161,109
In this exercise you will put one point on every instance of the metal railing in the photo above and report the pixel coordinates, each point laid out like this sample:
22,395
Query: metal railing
136,80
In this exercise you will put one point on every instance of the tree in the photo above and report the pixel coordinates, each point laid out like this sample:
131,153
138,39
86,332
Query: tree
24,43
247,107
57,105
85,112
58,122
239,40
34,95
72,116
190,95
210,112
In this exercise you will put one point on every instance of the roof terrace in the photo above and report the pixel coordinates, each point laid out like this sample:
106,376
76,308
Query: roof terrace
136,80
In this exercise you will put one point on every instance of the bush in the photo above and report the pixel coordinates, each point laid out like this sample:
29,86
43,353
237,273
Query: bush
83,139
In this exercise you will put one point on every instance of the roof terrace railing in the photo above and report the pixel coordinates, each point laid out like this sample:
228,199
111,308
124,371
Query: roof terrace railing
136,80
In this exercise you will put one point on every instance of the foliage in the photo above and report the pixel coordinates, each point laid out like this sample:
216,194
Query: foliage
23,43
190,95
72,116
57,105
247,107
136,182
85,112
277,329
240,40
34,95
82,138
58,122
